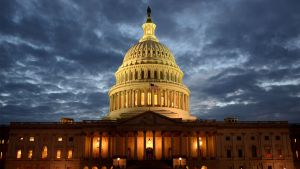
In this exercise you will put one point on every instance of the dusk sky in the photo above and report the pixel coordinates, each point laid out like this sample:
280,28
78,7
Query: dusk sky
241,58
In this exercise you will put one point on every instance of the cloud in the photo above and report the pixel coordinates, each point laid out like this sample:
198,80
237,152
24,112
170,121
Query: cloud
240,58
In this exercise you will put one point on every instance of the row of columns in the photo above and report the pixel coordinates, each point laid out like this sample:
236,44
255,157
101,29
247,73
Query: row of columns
149,97
126,77
153,143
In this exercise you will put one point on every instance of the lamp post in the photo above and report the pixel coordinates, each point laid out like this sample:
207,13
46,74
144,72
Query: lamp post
118,161
180,162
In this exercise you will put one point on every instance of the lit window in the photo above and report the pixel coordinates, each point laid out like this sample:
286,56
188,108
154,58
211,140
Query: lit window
135,98
58,154
59,139
45,152
70,154
21,139
3,141
142,98
295,140
31,138
30,154
297,155
19,154
1,155
149,98
162,99
155,99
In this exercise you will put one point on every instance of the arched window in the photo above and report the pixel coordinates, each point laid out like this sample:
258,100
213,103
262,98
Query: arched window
135,75
58,154
142,98
19,154
149,98
254,151
203,167
44,152
142,74
149,74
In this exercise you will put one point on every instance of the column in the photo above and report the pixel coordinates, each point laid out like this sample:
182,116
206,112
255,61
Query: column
172,144
116,145
206,136
162,146
91,146
189,146
126,146
180,144
108,148
100,145
153,144
198,147
135,145
144,144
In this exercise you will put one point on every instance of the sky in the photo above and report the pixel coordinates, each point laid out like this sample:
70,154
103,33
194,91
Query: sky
241,58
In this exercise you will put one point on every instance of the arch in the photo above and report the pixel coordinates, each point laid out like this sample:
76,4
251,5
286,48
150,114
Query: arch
103,167
149,74
155,74
203,167
94,167
142,74
45,152
85,167
161,75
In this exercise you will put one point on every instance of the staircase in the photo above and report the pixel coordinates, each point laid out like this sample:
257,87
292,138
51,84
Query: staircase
149,164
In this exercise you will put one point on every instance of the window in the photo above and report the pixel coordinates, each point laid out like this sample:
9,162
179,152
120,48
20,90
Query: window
70,154
277,137
162,99
297,154
71,139
142,75
239,138
136,98
31,139
252,138
30,154
44,152
228,153
58,154
149,98
1,155
240,153
254,151
267,138
59,139
19,154
155,99
142,98
227,138
268,153
295,140
279,151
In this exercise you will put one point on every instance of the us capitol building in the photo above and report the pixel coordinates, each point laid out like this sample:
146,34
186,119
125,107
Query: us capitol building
149,125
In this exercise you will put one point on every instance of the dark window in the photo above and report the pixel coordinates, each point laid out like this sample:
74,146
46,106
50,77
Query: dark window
254,151
155,75
252,138
269,167
277,137
267,137
239,138
228,153
240,152
142,75
227,138
149,74
71,139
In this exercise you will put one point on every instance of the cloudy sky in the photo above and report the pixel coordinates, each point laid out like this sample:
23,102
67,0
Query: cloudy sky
241,58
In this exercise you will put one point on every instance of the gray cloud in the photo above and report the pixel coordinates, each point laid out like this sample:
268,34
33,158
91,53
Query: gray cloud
240,58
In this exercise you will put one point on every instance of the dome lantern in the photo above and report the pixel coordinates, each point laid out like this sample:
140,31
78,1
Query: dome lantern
149,28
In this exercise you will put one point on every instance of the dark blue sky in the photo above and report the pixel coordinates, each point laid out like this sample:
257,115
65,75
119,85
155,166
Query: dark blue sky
58,57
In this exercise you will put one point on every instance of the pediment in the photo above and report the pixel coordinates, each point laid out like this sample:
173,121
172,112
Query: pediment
150,118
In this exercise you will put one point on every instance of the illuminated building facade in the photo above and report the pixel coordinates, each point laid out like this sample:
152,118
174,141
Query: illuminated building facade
149,126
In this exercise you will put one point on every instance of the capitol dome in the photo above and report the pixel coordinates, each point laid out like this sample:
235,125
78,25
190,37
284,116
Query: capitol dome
149,79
